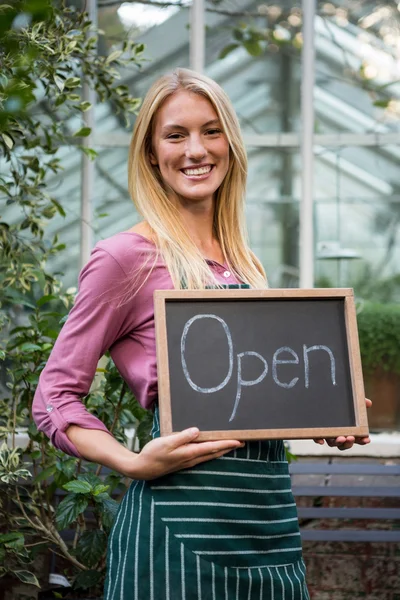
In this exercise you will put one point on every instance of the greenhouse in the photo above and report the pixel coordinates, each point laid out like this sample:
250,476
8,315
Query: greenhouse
316,88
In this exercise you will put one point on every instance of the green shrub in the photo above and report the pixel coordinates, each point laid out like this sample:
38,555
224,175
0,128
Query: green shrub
46,51
379,333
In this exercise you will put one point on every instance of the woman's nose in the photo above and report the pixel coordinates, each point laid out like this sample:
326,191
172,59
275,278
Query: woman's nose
195,148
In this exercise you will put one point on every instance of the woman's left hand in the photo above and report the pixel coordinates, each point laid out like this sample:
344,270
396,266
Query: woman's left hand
344,442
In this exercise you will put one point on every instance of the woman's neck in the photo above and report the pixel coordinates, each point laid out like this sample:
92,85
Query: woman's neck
199,223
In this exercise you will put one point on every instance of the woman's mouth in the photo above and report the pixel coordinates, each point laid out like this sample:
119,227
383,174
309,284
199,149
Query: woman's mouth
197,172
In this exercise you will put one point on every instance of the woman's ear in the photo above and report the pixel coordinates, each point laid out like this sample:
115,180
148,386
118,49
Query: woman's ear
153,159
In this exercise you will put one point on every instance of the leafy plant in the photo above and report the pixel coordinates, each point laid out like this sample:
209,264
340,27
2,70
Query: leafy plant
379,333
46,51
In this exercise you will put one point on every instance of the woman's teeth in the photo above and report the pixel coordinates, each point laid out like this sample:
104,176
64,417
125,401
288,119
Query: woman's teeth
199,171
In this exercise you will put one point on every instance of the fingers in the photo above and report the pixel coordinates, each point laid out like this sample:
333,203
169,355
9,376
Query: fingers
206,458
368,402
178,451
362,441
184,441
341,442
183,437
212,448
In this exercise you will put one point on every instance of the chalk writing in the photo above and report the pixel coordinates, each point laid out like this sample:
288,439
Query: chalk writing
230,352
307,366
276,362
241,381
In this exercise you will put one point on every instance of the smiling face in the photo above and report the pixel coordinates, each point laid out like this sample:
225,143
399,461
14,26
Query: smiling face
189,146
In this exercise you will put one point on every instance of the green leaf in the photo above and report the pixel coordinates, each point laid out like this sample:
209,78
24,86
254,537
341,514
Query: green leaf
90,478
227,50
239,33
60,99
17,545
100,489
60,83
28,347
82,132
91,547
6,538
381,103
69,508
110,509
253,47
45,299
58,207
67,467
85,580
27,577
92,154
78,487
113,56
84,106
72,82
45,474
9,142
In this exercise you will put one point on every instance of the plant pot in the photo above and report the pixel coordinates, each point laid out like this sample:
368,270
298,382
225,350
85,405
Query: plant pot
383,388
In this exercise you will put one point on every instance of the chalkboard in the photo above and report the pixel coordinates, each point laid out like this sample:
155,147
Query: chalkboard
259,364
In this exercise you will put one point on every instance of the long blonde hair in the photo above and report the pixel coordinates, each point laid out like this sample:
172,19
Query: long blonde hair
183,259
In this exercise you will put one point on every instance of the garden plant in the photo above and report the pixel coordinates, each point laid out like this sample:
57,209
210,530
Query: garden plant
49,501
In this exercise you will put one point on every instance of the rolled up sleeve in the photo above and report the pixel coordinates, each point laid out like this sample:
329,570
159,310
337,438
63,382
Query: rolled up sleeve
97,319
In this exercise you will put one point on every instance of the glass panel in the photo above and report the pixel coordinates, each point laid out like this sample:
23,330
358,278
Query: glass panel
357,69
264,88
272,210
357,215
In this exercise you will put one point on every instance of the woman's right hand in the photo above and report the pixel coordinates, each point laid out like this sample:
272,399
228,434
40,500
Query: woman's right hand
171,453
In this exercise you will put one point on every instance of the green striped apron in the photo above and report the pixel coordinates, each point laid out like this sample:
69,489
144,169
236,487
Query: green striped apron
226,529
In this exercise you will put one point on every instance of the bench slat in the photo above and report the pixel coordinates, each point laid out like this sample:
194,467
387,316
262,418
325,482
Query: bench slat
349,535
341,469
315,512
326,490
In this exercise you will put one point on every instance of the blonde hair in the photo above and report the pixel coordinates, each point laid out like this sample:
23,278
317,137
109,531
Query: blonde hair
183,259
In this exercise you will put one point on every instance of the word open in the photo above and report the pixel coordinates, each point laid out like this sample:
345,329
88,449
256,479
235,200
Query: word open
279,358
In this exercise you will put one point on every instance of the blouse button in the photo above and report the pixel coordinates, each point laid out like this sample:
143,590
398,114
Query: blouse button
227,274
49,408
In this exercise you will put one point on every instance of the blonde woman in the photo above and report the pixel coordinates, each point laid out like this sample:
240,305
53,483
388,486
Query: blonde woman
187,528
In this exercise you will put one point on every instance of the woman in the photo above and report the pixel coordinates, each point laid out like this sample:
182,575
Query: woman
226,529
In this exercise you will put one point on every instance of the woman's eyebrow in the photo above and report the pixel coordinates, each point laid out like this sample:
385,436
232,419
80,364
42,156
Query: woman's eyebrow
174,126
212,122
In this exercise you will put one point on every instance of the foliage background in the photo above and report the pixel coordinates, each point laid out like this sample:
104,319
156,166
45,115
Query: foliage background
46,53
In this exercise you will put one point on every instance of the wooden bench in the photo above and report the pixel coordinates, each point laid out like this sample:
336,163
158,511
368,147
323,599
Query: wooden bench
327,488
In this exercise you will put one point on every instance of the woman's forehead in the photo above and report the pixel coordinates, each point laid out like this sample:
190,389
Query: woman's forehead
184,106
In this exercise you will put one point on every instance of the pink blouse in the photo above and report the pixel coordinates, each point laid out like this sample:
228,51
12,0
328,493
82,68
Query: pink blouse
100,320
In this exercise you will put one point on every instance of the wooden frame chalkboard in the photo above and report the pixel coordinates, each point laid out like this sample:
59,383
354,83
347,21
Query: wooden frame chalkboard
259,364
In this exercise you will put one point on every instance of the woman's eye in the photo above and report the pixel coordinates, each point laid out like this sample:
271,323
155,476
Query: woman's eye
174,136
213,131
